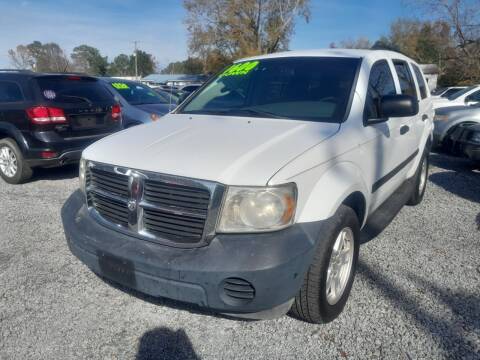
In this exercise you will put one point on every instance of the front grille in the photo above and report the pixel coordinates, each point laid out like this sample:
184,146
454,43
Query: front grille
180,227
160,208
112,210
113,183
177,196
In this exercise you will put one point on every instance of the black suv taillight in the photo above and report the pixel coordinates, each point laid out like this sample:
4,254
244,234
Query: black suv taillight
46,115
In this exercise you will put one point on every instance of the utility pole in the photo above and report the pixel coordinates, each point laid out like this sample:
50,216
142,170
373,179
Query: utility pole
136,59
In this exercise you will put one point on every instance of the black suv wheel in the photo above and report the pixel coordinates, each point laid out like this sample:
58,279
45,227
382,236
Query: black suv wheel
13,168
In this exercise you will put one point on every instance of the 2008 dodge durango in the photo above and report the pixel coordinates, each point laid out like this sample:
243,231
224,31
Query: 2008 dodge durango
249,198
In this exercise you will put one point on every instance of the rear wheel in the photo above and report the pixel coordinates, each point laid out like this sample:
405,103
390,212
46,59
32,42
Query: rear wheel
13,168
328,282
420,182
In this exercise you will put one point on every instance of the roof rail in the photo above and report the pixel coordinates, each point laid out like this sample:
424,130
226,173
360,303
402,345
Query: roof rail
17,71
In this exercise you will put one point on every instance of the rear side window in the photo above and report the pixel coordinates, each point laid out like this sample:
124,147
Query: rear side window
380,84
405,77
10,92
421,82
73,90
474,97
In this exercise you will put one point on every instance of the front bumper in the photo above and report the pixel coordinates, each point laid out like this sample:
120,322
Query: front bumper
274,264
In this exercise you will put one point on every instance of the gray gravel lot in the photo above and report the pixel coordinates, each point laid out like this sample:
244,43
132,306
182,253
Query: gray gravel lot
416,295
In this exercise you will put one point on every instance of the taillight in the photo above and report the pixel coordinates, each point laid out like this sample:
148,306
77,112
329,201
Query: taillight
116,112
46,115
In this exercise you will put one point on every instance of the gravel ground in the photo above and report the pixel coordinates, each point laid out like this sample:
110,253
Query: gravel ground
416,295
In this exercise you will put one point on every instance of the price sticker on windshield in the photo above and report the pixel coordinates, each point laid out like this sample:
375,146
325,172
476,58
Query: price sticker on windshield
120,86
240,69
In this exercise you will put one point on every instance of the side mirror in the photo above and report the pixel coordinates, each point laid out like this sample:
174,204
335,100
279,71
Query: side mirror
398,106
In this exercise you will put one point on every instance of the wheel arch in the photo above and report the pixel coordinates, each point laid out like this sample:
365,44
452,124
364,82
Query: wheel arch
342,183
9,131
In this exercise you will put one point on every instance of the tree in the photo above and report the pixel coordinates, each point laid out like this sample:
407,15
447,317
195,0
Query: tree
463,18
146,63
48,57
360,43
191,66
229,29
121,66
88,59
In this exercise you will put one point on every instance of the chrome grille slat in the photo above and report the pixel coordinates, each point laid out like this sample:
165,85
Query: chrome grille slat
159,208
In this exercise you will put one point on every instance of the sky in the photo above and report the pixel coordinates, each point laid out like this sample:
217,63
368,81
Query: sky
113,25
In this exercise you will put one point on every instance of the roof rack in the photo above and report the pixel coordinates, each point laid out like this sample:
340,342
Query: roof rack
17,71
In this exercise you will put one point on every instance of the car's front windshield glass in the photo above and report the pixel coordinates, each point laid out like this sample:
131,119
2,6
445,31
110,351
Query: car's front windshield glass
137,94
300,88
460,93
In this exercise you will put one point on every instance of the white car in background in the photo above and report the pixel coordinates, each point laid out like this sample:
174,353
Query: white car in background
445,92
466,97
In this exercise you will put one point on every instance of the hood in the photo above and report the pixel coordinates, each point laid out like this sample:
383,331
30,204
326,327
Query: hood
159,109
230,150
450,109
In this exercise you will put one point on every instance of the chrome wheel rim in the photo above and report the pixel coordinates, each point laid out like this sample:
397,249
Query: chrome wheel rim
8,162
340,265
423,176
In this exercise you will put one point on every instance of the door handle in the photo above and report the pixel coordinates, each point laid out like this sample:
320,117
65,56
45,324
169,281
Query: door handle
424,117
404,129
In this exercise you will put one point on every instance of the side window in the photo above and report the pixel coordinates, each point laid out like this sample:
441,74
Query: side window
405,77
380,84
10,92
474,97
420,80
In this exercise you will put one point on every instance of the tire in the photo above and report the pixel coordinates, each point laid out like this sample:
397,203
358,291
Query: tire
312,303
20,172
420,181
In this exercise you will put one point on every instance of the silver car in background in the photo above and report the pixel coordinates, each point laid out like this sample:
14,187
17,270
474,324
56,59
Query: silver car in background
447,119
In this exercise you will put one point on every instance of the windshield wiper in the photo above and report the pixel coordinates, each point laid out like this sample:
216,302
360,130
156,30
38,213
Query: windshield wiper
261,113
78,97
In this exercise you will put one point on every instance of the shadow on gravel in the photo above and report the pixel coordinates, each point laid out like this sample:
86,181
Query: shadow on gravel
447,162
447,330
461,179
164,343
478,221
60,173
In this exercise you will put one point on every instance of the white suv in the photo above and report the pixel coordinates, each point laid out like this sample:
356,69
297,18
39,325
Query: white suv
249,198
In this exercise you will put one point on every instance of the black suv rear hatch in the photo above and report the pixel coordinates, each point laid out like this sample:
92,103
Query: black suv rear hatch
85,101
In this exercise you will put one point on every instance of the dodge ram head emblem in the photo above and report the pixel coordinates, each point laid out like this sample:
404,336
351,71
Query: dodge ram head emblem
132,205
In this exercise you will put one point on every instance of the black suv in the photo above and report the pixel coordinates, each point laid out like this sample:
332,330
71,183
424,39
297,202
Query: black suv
46,120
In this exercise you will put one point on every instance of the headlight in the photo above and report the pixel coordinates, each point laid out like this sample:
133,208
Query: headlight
258,209
440,118
475,137
81,174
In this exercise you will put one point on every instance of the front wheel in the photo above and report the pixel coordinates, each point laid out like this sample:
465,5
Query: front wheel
420,181
329,279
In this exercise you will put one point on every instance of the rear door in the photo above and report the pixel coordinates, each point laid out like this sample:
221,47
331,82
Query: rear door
12,103
85,101
405,134
425,109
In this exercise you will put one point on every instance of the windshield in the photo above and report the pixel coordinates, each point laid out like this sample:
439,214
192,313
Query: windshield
169,97
137,94
306,88
460,93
